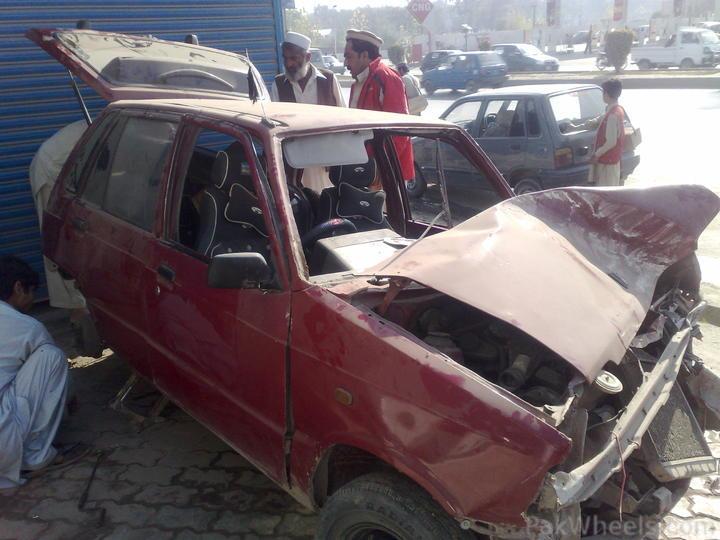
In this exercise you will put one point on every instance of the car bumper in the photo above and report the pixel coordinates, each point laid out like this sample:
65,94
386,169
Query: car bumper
578,175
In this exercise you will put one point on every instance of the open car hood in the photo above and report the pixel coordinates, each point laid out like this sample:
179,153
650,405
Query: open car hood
574,268
119,66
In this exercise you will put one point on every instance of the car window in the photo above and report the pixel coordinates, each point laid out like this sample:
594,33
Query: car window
136,170
219,208
533,119
488,59
503,118
84,154
689,37
576,108
468,189
97,178
465,114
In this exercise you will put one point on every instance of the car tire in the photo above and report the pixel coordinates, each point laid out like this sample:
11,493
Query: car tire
687,63
385,506
429,88
644,64
417,186
526,185
471,87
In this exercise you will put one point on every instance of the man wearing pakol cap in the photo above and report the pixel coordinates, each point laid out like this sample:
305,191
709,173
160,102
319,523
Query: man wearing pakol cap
377,87
303,82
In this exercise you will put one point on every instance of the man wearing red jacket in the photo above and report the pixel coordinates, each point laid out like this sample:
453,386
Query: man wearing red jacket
377,87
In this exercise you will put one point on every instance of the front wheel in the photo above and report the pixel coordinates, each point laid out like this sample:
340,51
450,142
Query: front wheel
471,87
388,507
687,63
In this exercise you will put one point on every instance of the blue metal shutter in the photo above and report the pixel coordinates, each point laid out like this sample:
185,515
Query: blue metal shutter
36,99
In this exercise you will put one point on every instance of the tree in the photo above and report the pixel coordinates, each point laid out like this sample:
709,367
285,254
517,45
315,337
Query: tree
617,47
297,20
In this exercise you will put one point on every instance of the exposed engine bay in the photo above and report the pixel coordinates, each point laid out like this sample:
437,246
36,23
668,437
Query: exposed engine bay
660,455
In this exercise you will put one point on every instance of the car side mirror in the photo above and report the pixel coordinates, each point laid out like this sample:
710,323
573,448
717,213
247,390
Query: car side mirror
238,271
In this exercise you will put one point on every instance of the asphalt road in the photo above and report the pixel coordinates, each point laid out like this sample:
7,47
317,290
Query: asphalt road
680,145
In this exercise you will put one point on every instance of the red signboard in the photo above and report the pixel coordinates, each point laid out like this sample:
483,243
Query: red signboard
420,9
619,10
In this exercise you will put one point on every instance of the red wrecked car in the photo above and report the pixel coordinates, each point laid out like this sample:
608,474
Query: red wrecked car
409,372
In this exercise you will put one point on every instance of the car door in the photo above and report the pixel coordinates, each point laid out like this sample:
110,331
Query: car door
538,150
219,353
457,75
501,133
117,216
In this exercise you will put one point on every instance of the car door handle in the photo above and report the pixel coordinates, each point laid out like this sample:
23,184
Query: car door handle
166,273
79,223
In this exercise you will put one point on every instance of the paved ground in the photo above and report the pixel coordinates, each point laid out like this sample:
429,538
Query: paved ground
175,480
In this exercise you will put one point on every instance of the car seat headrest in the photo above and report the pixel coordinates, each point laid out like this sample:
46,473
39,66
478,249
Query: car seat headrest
359,175
231,167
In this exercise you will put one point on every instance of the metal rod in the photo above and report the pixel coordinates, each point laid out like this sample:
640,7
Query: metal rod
80,99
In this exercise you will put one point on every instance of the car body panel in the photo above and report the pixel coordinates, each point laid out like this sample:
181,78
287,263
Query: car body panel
604,298
119,66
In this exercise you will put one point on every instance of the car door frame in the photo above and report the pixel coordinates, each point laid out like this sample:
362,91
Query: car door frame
230,396
510,173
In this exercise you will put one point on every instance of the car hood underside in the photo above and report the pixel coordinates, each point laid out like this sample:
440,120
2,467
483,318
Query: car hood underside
574,268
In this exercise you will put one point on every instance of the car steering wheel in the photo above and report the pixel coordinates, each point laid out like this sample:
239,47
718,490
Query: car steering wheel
332,227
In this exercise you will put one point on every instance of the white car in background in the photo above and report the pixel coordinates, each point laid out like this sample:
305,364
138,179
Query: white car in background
688,48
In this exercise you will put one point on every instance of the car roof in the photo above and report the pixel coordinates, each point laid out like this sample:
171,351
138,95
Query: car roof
532,90
472,53
513,44
285,117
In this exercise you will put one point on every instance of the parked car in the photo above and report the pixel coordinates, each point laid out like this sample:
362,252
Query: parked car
710,25
435,58
524,57
689,48
410,377
529,133
333,64
316,57
466,71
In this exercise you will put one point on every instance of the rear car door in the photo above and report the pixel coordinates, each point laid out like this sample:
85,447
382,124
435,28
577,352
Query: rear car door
501,133
116,220
219,353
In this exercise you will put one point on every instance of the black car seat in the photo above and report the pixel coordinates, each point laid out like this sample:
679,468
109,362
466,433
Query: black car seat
231,219
350,198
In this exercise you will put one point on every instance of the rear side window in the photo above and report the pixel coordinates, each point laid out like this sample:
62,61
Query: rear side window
84,153
504,118
489,59
575,108
136,170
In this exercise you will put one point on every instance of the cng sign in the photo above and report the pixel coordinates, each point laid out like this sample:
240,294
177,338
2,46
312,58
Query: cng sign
420,9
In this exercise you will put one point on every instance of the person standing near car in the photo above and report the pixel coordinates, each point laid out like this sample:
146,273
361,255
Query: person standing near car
377,87
302,82
605,161
44,170
417,102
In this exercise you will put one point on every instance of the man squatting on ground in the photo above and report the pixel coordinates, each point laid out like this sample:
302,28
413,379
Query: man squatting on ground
33,378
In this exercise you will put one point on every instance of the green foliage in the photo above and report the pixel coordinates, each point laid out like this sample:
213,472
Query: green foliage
297,20
484,44
617,47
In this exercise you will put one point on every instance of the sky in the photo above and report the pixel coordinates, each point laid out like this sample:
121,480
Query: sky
309,5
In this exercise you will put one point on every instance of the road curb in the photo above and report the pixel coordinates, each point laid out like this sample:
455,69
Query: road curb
703,82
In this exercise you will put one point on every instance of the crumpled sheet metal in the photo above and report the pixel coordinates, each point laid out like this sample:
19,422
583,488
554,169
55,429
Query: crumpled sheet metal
543,262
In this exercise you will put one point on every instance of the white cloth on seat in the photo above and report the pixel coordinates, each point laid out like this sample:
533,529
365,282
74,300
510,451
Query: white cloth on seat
44,170
33,388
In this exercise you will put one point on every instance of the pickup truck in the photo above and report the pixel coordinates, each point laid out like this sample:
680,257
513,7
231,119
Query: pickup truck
688,48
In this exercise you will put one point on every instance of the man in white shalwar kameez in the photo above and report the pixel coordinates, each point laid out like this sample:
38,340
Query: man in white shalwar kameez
44,170
33,378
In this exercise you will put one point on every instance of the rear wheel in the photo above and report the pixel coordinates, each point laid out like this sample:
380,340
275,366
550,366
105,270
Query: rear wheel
471,87
429,88
687,63
385,507
417,186
527,185
644,64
